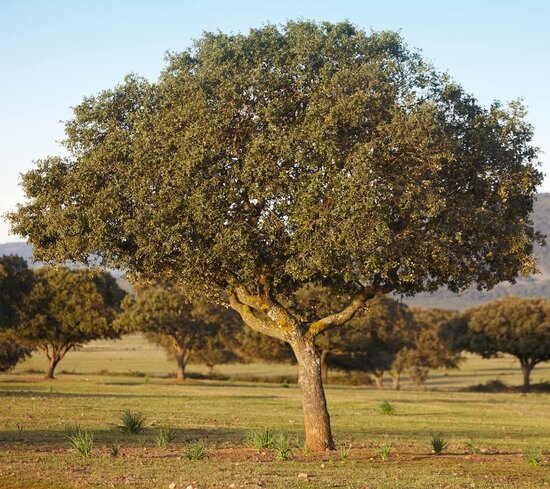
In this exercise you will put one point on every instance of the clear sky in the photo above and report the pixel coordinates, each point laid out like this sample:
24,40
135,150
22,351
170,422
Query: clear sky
54,52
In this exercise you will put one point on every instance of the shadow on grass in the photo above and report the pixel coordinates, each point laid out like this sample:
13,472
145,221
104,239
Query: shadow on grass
55,439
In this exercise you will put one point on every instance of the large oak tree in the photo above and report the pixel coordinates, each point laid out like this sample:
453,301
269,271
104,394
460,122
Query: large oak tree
305,153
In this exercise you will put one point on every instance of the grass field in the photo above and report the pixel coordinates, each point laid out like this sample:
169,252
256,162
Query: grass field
34,451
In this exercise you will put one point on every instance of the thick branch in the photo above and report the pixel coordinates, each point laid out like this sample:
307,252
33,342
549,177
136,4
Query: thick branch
343,316
264,326
266,304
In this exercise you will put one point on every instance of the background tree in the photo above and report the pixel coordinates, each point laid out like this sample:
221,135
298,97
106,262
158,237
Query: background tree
182,326
513,325
371,340
429,349
16,281
12,349
306,153
68,308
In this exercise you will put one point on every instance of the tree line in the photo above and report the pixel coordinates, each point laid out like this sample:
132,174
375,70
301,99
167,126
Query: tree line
56,309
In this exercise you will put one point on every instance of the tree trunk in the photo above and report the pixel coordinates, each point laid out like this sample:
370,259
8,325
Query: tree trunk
316,417
379,379
181,359
526,368
324,366
396,380
51,367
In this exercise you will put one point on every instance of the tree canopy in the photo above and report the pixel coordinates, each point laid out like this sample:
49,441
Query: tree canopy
67,308
513,325
303,153
16,281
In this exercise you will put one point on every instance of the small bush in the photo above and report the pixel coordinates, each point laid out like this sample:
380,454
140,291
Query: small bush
132,422
384,451
195,450
438,443
82,441
533,456
260,438
386,408
164,436
282,446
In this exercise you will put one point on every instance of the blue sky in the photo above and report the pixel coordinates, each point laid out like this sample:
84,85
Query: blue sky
53,53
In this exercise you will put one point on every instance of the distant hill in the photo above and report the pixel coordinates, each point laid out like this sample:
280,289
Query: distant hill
536,286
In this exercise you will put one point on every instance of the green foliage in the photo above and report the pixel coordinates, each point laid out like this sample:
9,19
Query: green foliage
81,439
164,436
16,282
384,451
12,349
67,308
260,438
533,456
429,348
239,130
282,446
132,422
513,325
385,407
184,327
371,340
195,450
438,443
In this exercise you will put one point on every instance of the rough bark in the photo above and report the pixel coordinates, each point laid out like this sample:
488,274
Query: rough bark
316,417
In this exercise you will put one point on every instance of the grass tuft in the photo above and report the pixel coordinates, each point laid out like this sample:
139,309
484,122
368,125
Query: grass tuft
132,422
438,443
195,450
260,438
384,450
82,440
165,435
385,407
282,446
533,456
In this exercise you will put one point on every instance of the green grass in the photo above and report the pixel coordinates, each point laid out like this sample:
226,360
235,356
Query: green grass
220,414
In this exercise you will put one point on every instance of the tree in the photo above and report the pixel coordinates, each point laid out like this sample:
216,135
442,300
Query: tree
12,350
68,308
429,349
306,153
513,325
16,281
371,340
180,325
